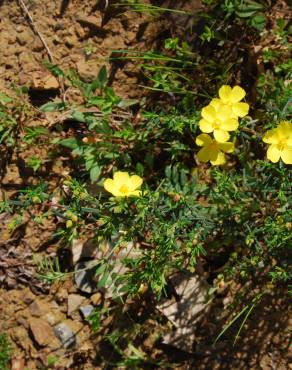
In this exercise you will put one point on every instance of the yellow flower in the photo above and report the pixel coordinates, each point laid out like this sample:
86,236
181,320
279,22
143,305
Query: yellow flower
280,140
232,97
217,118
212,150
123,185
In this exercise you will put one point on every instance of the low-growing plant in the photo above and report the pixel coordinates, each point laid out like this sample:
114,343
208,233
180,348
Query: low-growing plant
5,351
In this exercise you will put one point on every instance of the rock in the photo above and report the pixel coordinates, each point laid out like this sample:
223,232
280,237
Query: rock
17,364
54,318
66,335
74,301
85,280
96,298
28,297
88,70
128,250
38,308
61,295
184,309
21,338
91,248
86,310
50,82
41,331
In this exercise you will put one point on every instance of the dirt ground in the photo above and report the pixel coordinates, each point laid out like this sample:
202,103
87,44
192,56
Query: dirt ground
82,35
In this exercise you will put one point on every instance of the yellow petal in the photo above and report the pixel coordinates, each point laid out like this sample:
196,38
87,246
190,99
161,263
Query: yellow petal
271,137
135,182
221,136
225,93
209,113
203,140
220,160
216,103
121,178
205,126
230,125
284,130
237,94
289,141
204,154
214,152
227,147
240,109
111,187
224,112
286,155
273,153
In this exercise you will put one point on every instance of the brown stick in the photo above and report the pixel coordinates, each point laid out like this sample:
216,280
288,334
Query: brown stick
38,33
35,29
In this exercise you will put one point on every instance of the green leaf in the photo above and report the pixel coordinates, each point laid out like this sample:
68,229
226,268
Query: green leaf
99,83
100,270
125,103
95,173
102,76
71,143
139,169
245,13
258,22
78,116
52,107
103,280
5,99
54,69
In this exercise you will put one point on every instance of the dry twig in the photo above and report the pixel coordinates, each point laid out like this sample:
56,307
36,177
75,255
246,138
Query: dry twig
38,33
35,29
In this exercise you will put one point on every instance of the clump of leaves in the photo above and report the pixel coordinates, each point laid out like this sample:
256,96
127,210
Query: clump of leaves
5,351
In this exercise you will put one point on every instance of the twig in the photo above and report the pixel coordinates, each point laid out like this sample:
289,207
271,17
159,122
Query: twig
35,29
50,55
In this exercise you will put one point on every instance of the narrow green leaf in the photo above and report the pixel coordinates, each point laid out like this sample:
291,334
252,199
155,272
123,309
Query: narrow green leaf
95,173
52,107
69,143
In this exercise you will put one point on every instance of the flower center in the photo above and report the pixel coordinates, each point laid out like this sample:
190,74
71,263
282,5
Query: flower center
124,189
217,125
282,144
214,146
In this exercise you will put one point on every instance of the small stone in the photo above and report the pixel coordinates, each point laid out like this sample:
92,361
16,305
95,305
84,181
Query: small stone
96,298
74,301
28,297
38,308
61,295
50,82
65,334
54,319
41,331
86,311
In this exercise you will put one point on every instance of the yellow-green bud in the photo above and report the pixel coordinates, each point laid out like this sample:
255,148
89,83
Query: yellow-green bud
69,224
